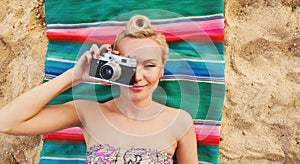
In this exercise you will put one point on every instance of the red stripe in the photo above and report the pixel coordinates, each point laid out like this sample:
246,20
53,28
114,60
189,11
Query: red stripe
56,136
209,140
71,134
110,39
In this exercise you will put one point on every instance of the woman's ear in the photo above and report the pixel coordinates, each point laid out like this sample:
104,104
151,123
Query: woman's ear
162,70
162,73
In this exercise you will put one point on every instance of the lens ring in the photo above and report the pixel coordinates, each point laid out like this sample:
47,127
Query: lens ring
110,71
106,72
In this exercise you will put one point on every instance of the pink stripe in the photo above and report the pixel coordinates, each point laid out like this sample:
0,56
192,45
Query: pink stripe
207,130
211,27
74,130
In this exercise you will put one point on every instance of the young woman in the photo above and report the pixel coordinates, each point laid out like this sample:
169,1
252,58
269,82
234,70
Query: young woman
131,128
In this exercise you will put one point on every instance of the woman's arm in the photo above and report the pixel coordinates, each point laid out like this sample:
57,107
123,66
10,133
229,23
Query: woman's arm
187,148
28,113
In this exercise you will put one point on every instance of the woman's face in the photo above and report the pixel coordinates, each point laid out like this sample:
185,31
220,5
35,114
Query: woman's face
149,66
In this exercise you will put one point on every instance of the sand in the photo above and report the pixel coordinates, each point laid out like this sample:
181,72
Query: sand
261,120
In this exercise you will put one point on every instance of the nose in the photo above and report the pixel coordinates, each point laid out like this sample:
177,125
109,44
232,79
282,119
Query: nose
139,75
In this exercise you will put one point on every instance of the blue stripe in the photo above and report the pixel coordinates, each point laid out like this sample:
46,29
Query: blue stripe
208,153
194,68
57,68
49,161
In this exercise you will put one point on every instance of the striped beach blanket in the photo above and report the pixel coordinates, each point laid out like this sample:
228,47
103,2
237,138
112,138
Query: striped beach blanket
193,78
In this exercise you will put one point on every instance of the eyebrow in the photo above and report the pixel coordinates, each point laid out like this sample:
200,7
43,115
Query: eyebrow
148,60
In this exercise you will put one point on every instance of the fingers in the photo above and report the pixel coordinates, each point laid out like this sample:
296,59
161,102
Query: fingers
105,47
116,52
88,57
94,50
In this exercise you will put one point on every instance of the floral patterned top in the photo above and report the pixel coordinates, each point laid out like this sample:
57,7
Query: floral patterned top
106,154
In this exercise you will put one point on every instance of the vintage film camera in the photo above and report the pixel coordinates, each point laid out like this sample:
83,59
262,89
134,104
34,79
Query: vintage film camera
113,68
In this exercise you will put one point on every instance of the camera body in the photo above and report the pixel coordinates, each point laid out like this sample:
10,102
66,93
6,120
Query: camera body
113,68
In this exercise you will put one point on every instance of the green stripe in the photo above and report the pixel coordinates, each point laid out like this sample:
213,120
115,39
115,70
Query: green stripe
196,50
201,100
71,11
64,149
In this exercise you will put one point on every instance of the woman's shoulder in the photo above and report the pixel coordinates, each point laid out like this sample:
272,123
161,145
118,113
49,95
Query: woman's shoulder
182,122
181,118
180,113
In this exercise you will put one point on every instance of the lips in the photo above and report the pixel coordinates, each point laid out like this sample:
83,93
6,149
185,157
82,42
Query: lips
137,88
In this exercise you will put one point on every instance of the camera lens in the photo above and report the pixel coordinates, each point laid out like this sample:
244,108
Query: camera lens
106,72
110,71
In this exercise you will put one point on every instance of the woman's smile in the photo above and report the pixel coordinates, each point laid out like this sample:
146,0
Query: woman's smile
137,88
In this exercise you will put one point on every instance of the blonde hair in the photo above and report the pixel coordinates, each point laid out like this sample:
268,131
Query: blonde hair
139,26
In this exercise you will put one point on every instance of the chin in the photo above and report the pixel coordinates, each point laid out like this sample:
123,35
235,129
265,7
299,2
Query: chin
137,95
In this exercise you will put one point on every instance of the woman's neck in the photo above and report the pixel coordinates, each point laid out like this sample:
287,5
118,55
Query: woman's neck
134,105
139,110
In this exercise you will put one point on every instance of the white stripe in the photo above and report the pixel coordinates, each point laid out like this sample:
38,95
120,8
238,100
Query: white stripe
192,77
207,121
197,60
61,60
212,82
61,158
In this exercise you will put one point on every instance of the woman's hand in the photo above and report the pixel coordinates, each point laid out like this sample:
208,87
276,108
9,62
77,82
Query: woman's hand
81,69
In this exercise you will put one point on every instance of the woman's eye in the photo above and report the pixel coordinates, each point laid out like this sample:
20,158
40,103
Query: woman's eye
149,65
